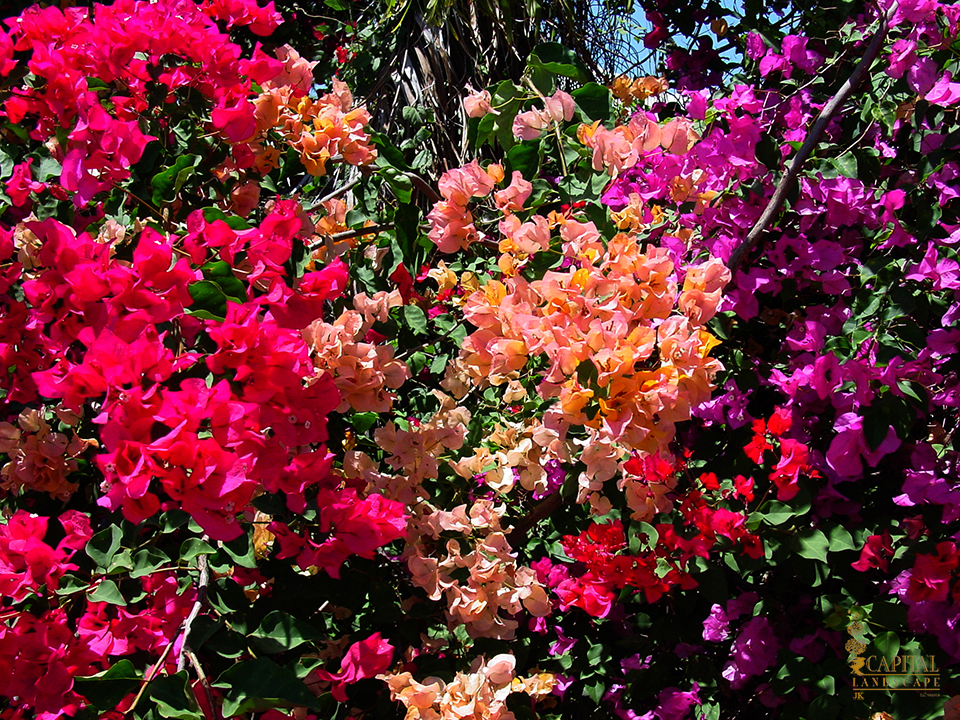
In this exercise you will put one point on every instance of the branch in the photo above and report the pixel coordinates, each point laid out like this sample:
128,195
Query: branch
204,682
151,673
556,125
185,650
335,194
816,132
539,512
350,234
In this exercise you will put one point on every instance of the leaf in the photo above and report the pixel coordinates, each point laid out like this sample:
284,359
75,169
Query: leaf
875,428
387,153
841,539
210,299
415,319
235,222
103,546
594,101
146,561
173,697
505,99
813,545
279,632
108,592
555,58
524,158
846,165
400,183
363,421
595,690
49,169
167,183
6,165
778,513
888,643
106,689
241,551
192,547
70,584
261,684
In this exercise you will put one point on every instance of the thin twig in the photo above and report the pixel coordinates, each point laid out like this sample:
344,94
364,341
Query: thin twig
204,682
796,163
336,193
151,673
556,125
539,512
194,611
350,234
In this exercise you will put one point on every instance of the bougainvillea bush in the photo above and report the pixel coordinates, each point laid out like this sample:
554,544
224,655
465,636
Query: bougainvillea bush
575,429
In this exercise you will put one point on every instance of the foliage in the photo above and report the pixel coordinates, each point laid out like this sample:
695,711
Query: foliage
282,439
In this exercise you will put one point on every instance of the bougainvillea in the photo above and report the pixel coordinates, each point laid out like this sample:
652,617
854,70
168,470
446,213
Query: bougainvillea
646,411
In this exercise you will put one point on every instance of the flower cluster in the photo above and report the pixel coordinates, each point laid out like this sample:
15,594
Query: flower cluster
480,693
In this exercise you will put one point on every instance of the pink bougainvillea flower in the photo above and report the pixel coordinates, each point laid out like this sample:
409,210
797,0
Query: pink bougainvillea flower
933,573
477,104
945,92
876,553
365,659
237,122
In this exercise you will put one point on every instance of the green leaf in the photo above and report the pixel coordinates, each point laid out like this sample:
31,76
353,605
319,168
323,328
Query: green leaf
841,539
387,153
173,697
261,684
400,183
108,592
279,632
846,165
506,99
415,319
192,547
210,299
70,584
362,422
524,158
241,551
555,58
49,169
595,690
594,101
813,545
234,221
778,513
147,560
6,165
167,183
888,643
172,520
221,273
103,546
106,689
439,364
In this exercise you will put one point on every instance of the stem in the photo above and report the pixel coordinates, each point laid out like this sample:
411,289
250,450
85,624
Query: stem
796,163
540,511
204,682
335,194
185,650
349,234
556,125
151,673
